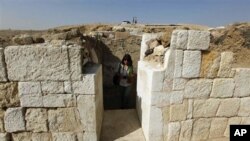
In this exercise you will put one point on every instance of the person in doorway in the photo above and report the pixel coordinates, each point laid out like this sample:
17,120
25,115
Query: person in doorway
126,79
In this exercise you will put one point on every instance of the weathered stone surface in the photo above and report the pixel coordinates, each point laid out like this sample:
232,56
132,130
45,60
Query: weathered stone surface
36,120
218,127
41,137
223,88
242,81
198,40
1,120
9,95
178,112
75,58
186,130
190,109
245,120
226,64
23,136
64,120
198,88
159,99
179,83
182,39
67,87
25,88
31,100
59,100
14,120
38,62
89,136
201,129
244,107
173,42
176,97
68,136
3,77
86,105
50,87
155,124
205,108
191,64
87,86
231,121
159,50
166,114
4,137
152,43
178,63
229,112
173,131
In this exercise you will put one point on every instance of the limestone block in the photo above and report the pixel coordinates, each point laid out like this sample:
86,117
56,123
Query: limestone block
157,81
67,87
59,100
179,83
166,114
191,64
198,88
159,50
52,87
22,136
9,95
201,129
1,125
14,120
75,57
176,97
31,100
190,109
32,63
229,112
4,137
3,77
231,121
226,64
159,99
87,86
205,108
87,109
155,124
174,36
198,40
178,112
223,88
64,120
25,88
186,130
244,107
36,120
245,120
173,131
67,136
41,137
178,63
218,127
182,39
242,81
89,136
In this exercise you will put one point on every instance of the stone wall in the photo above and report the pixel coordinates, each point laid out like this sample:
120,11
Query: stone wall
186,99
47,95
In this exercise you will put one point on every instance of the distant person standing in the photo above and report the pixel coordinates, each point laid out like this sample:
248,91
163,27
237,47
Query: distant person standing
126,73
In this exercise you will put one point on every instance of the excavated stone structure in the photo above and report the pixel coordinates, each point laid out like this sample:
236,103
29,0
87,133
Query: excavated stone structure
47,94
175,102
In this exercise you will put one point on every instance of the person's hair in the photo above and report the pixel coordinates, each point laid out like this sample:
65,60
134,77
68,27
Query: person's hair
128,58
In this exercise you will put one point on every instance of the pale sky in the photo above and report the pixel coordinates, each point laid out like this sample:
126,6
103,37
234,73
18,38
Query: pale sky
43,14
